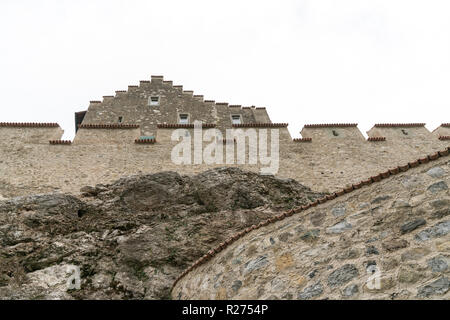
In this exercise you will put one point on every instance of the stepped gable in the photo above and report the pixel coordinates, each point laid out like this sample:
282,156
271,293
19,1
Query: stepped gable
134,106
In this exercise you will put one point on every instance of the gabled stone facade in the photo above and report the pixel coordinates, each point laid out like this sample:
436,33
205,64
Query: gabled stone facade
131,133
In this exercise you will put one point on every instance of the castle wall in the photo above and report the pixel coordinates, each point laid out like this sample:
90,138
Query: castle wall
388,240
102,156
329,156
442,130
107,136
31,135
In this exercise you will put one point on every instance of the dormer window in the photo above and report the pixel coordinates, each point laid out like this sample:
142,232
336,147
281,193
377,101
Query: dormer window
153,101
236,119
183,118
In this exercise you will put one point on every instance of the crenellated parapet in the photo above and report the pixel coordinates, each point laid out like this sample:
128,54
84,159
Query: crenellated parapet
442,131
29,132
106,133
332,132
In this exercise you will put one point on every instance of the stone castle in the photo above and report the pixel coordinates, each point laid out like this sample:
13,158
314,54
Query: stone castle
130,133
384,217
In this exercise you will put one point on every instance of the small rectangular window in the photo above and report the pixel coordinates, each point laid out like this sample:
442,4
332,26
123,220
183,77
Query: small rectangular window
184,119
153,101
120,119
236,119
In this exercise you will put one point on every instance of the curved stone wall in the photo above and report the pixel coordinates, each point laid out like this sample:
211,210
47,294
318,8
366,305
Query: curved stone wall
388,240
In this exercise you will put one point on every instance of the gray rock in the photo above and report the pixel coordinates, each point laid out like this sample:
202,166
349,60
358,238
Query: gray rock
339,210
258,263
350,290
437,287
438,230
438,264
394,244
400,203
237,284
440,203
287,296
363,205
310,235
371,250
436,172
410,182
412,225
311,291
313,273
438,186
380,199
339,227
318,218
342,275
284,236
439,214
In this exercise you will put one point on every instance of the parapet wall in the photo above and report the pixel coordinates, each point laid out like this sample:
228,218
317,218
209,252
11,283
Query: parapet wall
386,237
29,133
98,154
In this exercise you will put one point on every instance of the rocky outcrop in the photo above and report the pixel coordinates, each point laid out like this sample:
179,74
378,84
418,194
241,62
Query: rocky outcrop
130,239
389,239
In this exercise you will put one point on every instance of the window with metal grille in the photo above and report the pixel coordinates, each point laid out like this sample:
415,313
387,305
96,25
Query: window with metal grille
236,119
183,119
153,101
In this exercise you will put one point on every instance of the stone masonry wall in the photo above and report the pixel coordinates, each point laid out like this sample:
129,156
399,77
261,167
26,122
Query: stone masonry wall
29,164
133,107
331,156
396,230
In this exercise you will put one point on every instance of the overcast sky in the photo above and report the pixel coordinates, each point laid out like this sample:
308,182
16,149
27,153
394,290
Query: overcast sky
317,61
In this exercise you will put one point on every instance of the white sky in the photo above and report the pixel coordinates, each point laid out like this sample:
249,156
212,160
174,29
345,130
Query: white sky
317,61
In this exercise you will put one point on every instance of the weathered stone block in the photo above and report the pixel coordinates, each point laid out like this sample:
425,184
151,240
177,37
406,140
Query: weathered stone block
342,275
412,225
435,288
312,291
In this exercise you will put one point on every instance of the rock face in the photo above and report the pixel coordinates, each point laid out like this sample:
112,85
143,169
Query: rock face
130,239
392,241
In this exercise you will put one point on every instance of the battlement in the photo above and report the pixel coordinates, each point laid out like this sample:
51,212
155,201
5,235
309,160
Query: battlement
28,124
132,131
302,140
398,125
108,126
332,132
183,126
260,125
145,141
331,125
29,132
65,142
376,139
